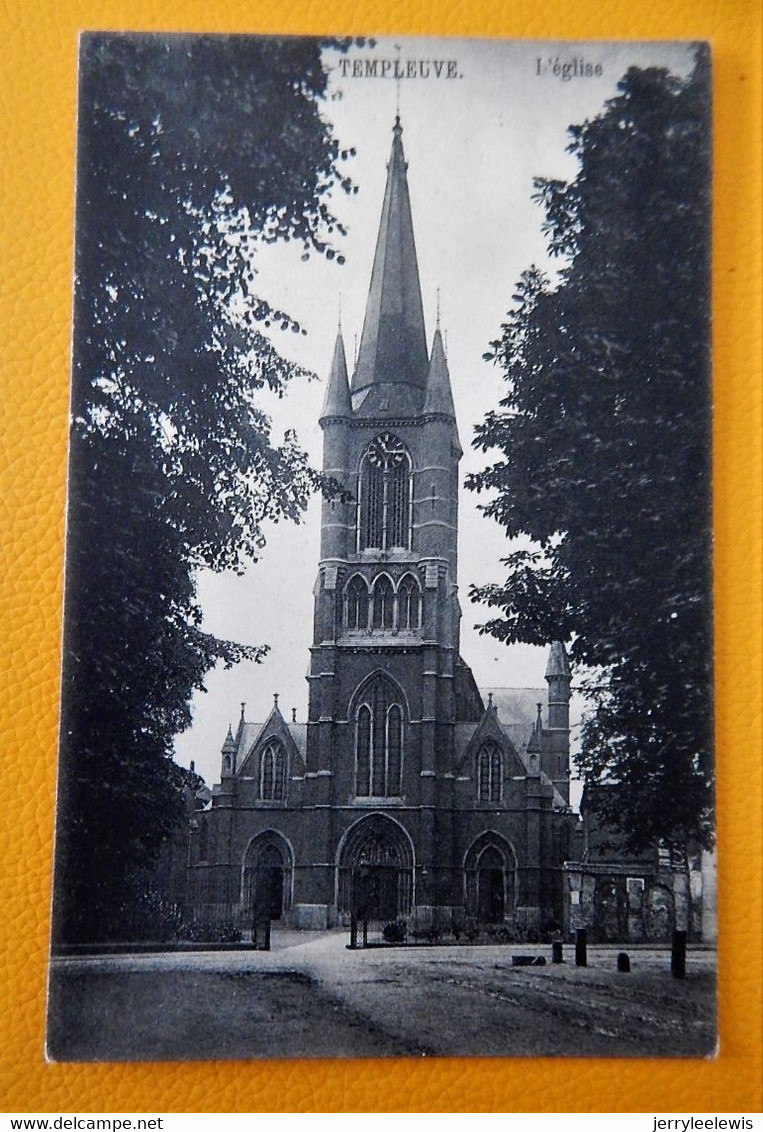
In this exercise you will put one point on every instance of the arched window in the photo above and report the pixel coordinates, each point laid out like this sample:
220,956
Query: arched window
357,605
203,839
363,771
408,604
384,603
384,495
394,750
273,773
489,774
379,742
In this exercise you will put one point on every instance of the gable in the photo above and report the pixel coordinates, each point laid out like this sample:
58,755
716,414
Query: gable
469,740
291,736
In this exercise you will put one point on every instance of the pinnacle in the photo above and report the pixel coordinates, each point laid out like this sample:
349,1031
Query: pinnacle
337,401
439,398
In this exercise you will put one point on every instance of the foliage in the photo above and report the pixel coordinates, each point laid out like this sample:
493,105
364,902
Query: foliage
210,931
151,918
604,442
395,932
193,152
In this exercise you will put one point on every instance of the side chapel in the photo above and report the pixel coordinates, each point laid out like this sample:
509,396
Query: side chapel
453,802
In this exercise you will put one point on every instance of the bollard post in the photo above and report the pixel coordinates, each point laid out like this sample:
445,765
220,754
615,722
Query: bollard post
353,930
557,953
623,962
581,947
678,955
261,934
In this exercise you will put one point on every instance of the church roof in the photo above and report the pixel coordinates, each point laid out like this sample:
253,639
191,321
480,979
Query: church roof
386,399
247,736
251,732
393,346
517,710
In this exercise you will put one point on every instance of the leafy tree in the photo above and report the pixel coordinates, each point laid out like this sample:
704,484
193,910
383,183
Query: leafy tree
604,441
193,152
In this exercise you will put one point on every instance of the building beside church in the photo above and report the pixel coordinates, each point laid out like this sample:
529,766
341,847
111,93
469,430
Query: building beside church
622,896
444,803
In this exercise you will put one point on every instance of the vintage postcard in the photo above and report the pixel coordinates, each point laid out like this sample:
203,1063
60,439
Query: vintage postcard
386,722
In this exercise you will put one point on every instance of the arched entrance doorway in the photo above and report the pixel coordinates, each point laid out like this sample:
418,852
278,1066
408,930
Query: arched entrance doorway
266,885
375,870
490,880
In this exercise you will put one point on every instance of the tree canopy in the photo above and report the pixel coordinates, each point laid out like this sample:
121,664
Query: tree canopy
603,437
193,152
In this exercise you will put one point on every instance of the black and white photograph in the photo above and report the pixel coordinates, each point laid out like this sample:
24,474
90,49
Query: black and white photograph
387,686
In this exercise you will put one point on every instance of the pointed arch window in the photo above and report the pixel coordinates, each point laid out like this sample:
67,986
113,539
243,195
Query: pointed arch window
379,742
394,750
363,771
489,773
384,603
384,495
408,604
273,773
357,605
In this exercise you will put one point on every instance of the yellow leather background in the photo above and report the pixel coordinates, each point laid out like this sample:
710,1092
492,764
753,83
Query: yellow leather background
38,48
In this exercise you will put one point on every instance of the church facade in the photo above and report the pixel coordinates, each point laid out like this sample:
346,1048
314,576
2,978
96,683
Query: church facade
408,790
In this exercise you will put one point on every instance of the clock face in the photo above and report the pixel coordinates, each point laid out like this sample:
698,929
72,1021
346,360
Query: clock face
386,451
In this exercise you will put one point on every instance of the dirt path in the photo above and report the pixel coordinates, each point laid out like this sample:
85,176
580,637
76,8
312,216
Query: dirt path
311,997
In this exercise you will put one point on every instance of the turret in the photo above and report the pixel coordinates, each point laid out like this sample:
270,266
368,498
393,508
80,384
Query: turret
338,516
558,679
437,486
439,397
228,753
337,403
558,731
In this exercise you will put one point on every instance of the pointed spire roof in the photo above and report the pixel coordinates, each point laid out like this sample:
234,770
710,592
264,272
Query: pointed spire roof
337,401
558,664
534,742
393,344
241,724
229,746
439,398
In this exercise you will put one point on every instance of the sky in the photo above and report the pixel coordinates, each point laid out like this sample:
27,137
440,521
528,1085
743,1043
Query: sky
481,119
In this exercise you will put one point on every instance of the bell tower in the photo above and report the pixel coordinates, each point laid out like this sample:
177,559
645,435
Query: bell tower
386,623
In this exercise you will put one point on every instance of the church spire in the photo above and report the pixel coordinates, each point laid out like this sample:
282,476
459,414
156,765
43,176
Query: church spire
337,400
393,344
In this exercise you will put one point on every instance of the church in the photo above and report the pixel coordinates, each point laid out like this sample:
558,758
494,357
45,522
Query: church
408,790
